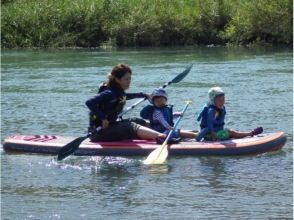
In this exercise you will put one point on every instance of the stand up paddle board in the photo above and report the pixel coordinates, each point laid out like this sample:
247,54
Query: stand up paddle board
50,144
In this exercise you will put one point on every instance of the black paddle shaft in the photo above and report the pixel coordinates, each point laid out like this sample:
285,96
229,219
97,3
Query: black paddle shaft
71,147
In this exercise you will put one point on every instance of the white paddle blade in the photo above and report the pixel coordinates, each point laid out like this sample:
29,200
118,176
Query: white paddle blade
157,156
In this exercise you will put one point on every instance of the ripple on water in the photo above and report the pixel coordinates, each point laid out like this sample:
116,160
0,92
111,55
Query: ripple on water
44,93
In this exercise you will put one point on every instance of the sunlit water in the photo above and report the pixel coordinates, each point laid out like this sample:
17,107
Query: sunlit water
43,92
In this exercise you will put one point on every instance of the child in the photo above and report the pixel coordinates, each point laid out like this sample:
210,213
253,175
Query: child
213,119
161,116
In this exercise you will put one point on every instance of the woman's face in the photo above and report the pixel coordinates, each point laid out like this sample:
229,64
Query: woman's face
125,81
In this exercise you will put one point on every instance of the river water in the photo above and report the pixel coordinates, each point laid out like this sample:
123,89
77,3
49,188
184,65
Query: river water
43,92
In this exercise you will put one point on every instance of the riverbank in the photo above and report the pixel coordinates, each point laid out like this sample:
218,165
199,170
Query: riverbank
107,23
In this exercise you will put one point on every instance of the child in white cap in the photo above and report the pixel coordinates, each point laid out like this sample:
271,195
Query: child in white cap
212,119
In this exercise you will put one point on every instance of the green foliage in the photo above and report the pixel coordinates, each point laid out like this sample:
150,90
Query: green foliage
260,20
52,23
91,23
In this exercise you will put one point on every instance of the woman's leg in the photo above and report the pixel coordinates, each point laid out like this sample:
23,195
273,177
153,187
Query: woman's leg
147,133
187,134
124,131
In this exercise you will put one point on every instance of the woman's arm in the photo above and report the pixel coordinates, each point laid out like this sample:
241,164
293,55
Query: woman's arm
136,95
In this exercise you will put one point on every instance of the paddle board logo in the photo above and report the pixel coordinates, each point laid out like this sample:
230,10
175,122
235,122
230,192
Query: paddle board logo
39,138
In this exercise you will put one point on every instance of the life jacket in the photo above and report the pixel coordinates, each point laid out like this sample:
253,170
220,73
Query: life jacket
219,121
102,87
167,111
112,114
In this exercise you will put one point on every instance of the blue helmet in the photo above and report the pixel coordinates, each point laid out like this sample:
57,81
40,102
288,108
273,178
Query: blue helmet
159,93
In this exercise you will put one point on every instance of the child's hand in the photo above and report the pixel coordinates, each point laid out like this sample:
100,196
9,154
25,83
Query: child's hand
149,97
170,128
178,114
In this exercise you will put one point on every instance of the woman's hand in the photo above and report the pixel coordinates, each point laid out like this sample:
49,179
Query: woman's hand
105,123
149,97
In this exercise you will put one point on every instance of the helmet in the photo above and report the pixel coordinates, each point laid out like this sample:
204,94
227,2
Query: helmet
214,92
159,93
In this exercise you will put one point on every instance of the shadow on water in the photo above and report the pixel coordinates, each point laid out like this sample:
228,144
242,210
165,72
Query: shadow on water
214,170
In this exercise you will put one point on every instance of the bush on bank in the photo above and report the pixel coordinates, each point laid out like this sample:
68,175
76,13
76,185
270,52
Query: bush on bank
91,23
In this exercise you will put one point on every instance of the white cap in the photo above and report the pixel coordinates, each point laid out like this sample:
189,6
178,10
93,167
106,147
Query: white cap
214,92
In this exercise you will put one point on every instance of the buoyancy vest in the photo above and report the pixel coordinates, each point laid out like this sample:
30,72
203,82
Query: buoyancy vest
219,117
112,114
167,111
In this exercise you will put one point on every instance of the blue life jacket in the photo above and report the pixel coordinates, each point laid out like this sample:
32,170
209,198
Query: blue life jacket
219,120
167,111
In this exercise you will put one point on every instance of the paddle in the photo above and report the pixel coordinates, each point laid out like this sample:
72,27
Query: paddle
71,147
159,155
177,79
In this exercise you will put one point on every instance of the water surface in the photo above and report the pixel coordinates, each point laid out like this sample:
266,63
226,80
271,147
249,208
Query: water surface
43,92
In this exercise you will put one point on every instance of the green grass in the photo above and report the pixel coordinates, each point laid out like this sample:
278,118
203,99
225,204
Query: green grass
92,23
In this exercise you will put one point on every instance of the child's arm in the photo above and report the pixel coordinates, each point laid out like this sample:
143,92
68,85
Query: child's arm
158,116
210,119
210,123
209,128
177,114
201,134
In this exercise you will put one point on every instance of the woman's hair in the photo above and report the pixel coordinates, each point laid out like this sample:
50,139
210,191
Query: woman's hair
117,72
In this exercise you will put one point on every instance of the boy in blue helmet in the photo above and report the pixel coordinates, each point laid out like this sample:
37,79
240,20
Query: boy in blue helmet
213,119
161,115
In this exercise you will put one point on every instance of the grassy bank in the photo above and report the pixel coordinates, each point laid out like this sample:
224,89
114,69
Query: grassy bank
92,23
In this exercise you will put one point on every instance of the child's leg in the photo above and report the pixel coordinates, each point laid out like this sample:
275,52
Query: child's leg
187,134
237,134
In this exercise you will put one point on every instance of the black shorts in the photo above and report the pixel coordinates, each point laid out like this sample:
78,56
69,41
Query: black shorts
122,130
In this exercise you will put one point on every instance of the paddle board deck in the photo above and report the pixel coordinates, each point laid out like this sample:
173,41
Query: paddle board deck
46,144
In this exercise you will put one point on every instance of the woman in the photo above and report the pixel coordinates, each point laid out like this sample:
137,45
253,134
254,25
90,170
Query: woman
109,102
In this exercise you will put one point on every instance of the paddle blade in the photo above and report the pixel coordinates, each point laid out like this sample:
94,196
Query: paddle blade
182,75
69,148
157,156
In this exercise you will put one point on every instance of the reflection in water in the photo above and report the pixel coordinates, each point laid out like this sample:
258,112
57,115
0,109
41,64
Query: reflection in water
214,170
157,169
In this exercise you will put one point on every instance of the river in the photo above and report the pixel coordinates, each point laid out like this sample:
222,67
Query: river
44,91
